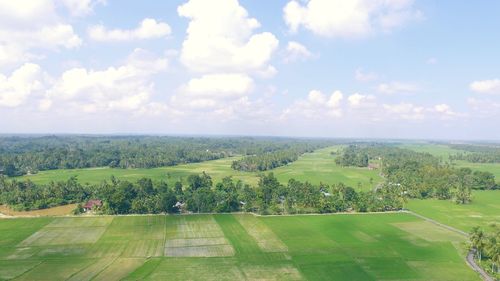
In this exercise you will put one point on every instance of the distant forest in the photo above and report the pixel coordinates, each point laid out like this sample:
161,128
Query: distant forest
408,174
21,155
477,153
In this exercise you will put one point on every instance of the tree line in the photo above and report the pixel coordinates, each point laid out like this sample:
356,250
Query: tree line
486,248
271,160
201,195
420,175
21,155
476,153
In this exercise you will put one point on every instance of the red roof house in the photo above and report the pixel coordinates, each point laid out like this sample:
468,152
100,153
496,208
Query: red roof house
91,204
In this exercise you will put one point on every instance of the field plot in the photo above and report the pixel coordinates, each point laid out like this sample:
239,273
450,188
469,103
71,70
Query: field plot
330,247
315,167
196,236
132,236
266,239
484,210
232,247
69,231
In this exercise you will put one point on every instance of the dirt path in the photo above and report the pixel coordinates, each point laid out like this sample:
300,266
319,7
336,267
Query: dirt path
470,255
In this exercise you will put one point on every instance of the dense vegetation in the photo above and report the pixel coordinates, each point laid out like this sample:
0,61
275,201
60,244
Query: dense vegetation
486,247
21,155
201,195
477,153
271,160
420,175
352,156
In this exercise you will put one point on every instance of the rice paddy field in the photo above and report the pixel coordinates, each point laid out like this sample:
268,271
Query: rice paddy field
315,167
484,210
389,246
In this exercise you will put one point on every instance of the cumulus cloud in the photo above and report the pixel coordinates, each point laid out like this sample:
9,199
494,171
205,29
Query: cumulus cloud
224,50
349,19
147,29
126,87
486,86
409,111
317,105
28,25
361,101
23,82
397,87
223,40
220,85
296,52
406,111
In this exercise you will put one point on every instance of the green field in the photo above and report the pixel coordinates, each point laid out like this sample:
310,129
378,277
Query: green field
440,150
230,247
483,211
315,167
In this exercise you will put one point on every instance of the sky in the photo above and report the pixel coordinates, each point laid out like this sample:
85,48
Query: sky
411,69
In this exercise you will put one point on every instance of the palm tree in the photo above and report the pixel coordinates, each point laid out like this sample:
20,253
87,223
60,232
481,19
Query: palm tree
477,239
493,251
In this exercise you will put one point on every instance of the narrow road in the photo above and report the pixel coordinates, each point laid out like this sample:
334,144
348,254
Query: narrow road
470,255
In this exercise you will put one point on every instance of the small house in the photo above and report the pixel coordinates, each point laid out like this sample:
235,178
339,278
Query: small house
91,204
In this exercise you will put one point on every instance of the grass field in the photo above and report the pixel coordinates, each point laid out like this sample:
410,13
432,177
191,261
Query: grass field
394,246
483,211
315,167
439,150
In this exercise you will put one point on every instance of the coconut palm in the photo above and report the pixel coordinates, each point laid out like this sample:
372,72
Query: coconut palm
478,241
493,251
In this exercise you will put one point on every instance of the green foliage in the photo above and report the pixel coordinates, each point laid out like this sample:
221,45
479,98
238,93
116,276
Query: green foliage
201,196
352,156
486,153
420,175
486,247
270,160
28,155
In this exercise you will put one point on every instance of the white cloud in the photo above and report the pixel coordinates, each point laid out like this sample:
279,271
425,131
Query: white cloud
147,29
396,87
348,19
126,87
222,40
316,106
406,111
23,82
26,26
361,101
362,76
486,86
296,52
81,8
219,85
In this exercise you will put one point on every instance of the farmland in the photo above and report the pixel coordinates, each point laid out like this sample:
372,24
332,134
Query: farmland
315,167
483,211
391,246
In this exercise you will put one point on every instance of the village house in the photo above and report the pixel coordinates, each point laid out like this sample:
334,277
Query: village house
91,204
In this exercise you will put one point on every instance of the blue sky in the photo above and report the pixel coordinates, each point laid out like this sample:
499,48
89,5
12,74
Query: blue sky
319,68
